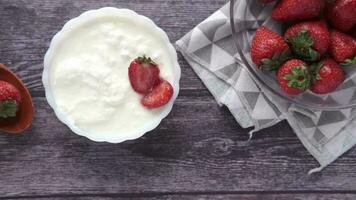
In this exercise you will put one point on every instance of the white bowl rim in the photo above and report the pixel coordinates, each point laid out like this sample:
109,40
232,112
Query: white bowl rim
120,137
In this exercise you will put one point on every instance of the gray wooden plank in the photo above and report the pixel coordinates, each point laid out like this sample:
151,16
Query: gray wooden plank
316,196
27,27
186,153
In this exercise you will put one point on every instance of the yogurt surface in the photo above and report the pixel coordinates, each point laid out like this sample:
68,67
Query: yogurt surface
88,74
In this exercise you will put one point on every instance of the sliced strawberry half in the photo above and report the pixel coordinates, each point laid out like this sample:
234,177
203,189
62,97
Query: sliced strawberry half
143,74
159,96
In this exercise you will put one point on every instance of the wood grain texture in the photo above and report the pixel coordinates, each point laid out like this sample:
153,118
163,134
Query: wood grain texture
199,148
317,196
185,154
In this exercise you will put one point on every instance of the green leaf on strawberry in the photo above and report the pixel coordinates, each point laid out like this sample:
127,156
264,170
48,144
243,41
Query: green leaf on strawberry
146,60
276,61
299,78
302,44
8,108
349,62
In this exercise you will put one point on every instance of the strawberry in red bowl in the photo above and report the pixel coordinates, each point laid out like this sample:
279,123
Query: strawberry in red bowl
10,100
16,106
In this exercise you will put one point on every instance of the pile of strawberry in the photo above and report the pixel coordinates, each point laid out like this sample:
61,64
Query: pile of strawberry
320,40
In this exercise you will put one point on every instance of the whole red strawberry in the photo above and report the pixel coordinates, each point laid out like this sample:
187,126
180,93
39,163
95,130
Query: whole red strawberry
268,49
341,14
342,48
10,99
159,96
308,40
143,74
294,77
328,75
294,10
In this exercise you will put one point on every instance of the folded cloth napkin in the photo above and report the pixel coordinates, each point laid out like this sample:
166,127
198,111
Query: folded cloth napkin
210,50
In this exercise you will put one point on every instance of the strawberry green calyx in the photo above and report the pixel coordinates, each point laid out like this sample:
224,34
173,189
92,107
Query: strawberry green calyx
8,108
302,46
271,64
299,77
349,62
146,60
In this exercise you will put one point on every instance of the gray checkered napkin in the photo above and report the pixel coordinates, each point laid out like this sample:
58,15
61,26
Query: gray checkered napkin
210,50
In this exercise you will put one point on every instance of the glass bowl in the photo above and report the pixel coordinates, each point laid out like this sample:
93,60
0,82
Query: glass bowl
246,17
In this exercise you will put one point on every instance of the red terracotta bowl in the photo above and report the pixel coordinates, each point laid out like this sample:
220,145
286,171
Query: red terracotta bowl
25,114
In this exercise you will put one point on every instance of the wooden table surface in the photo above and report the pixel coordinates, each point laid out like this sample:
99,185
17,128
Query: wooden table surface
198,152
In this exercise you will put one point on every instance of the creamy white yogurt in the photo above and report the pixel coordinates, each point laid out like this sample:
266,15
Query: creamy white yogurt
88,73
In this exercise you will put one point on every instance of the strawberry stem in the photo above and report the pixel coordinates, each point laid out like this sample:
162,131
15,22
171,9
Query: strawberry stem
146,60
299,78
302,46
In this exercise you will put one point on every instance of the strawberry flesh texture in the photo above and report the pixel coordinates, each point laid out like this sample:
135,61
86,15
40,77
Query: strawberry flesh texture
143,76
266,44
287,69
342,46
341,14
9,92
317,30
329,76
159,96
294,10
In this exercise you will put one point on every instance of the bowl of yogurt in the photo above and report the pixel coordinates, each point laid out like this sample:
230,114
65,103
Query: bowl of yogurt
86,79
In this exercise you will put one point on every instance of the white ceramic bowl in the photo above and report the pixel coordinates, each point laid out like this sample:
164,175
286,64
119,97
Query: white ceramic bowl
89,15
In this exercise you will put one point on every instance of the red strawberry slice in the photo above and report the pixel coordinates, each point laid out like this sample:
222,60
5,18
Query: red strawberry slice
328,75
309,40
159,96
143,75
294,10
268,49
10,98
343,48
